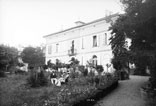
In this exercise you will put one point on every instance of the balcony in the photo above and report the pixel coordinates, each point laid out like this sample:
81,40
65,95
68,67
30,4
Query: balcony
72,52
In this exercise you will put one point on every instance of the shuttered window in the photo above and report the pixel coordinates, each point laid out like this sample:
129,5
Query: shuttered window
94,41
49,49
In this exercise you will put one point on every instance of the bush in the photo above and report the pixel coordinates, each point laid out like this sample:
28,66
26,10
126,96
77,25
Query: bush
2,74
91,74
37,79
83,88
20,64
85,72
18,71
116,64
74,74
81,68
76,90
12,69
151,102
92,79
99,68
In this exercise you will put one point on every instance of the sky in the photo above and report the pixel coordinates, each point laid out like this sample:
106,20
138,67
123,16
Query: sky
25,22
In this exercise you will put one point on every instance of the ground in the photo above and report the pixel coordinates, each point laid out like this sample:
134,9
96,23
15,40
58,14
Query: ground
127,94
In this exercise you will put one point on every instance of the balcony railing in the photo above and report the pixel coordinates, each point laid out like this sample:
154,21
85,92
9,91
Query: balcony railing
72,52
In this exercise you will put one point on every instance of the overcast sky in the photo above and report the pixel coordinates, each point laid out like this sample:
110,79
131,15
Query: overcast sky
25,22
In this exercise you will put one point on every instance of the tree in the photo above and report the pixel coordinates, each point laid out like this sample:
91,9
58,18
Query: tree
33,56
139,24
74,61
8,57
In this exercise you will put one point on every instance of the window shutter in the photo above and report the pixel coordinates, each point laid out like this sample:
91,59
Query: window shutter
49,49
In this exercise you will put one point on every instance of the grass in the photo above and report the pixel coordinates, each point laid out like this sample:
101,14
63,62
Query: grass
9,86
14,91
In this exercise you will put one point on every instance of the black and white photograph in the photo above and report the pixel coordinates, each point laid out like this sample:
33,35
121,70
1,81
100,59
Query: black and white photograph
77,52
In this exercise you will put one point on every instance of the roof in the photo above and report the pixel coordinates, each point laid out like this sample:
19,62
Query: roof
107,18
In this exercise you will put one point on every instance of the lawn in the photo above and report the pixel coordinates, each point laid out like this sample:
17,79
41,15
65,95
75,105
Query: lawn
15,91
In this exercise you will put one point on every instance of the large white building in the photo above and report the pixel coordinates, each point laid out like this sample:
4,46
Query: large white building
84,41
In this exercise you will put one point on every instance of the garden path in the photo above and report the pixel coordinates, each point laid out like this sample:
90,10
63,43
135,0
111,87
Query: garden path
126,94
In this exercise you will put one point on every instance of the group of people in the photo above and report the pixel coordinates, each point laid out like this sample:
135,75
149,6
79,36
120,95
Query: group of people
58,80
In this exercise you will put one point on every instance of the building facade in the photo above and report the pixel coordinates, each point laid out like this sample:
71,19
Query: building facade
84,42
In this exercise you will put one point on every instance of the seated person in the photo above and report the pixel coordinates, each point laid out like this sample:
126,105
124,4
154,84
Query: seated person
53,78
63,79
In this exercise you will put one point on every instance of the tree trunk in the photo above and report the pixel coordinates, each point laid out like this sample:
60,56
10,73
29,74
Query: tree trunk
153,75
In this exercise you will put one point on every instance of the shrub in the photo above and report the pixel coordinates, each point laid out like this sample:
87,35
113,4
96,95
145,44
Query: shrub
12,69
18,71
116,64
85,72
93,80
81,68
20,64
76,90
99,68
37,79
2,74
32,80
151,102
91,74
42,79
97,80
74,74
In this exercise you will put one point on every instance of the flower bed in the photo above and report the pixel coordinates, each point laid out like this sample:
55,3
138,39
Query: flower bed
78,91
90,101
86,92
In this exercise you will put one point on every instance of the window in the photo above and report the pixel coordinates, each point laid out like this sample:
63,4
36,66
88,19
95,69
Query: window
49,49
82,44
94,41
105,39
57,47
72,47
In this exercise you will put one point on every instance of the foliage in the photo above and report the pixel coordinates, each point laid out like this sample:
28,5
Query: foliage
8,56
57,65
50,64
151,102
74,74
99,68
2,74
37,79
8,86
83,70
15,91
139,24
74,62
84,87
34,56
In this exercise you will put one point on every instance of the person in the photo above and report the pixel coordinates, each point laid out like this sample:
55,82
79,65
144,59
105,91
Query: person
64,79
53,78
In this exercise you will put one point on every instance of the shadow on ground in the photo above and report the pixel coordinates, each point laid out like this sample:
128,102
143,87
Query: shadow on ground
98,96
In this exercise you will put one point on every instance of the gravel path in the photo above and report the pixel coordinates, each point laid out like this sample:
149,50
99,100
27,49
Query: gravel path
127,93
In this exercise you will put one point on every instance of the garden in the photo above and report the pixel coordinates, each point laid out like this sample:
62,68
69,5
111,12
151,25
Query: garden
34,88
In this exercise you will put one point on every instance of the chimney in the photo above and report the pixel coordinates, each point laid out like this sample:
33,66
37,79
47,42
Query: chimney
79,23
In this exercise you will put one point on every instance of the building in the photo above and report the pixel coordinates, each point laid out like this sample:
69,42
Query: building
85,41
